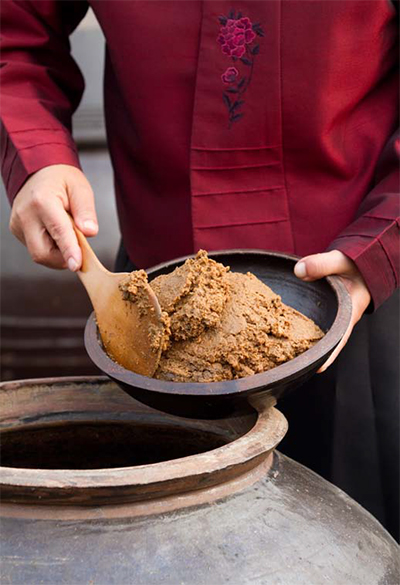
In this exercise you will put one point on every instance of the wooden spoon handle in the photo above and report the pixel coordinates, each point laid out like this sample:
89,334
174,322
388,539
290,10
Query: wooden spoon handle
92,273
90,262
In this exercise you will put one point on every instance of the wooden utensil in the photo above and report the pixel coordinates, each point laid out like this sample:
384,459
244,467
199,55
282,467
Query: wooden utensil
131,333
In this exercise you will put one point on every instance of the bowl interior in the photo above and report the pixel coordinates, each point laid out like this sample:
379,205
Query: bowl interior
325,301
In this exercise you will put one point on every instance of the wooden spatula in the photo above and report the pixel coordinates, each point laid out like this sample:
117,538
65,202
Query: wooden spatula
131,332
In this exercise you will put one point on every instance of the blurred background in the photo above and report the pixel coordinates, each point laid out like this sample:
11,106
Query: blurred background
43,311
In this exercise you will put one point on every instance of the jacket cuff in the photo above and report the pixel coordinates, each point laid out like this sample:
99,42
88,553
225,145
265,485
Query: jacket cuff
20,162
377,259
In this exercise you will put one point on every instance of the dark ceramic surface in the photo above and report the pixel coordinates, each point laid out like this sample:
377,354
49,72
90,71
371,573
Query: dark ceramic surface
326,301
284,526
290,528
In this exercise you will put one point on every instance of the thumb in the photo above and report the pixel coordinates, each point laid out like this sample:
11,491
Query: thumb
319,265
81,201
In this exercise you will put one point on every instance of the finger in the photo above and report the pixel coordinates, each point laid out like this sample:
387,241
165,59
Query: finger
41,247
58,224
319,265
360,299
15,227
81,201
338,349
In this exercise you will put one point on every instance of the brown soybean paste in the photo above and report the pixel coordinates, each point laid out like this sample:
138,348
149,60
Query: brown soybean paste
224,325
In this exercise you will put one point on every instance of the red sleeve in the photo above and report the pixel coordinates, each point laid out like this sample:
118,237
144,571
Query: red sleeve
372,240
41,86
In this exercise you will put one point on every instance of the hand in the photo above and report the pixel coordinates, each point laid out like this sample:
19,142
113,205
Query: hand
335,262
39,216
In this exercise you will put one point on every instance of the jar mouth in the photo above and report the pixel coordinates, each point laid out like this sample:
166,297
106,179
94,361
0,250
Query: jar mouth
84,442
95,445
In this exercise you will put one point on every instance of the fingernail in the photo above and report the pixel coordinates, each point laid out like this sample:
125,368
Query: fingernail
72,264
300,269
90,225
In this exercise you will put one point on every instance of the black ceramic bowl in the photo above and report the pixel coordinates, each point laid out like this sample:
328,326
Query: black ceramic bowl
325,301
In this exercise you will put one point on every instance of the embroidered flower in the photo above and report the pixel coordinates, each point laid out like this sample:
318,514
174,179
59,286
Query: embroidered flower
235,35
230,75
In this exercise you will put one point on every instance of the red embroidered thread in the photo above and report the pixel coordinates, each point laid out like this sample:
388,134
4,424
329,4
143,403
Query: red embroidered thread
236,35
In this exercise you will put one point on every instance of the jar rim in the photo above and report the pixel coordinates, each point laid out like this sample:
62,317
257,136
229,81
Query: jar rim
144,482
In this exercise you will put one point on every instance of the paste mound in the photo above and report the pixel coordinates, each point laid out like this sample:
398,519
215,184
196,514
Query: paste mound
224,325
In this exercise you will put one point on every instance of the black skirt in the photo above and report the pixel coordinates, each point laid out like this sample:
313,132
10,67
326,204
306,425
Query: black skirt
344,423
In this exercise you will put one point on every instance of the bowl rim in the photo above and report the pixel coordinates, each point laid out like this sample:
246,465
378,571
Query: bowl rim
283,372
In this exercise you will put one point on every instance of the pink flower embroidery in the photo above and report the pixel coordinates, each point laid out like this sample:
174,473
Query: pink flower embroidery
235,35
230,75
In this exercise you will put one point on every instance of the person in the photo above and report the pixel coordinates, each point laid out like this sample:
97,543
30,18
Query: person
233,125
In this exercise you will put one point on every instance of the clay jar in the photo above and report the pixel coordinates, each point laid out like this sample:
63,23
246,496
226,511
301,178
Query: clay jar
98,488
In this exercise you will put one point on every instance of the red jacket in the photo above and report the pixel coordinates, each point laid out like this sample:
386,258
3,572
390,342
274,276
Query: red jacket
230,124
